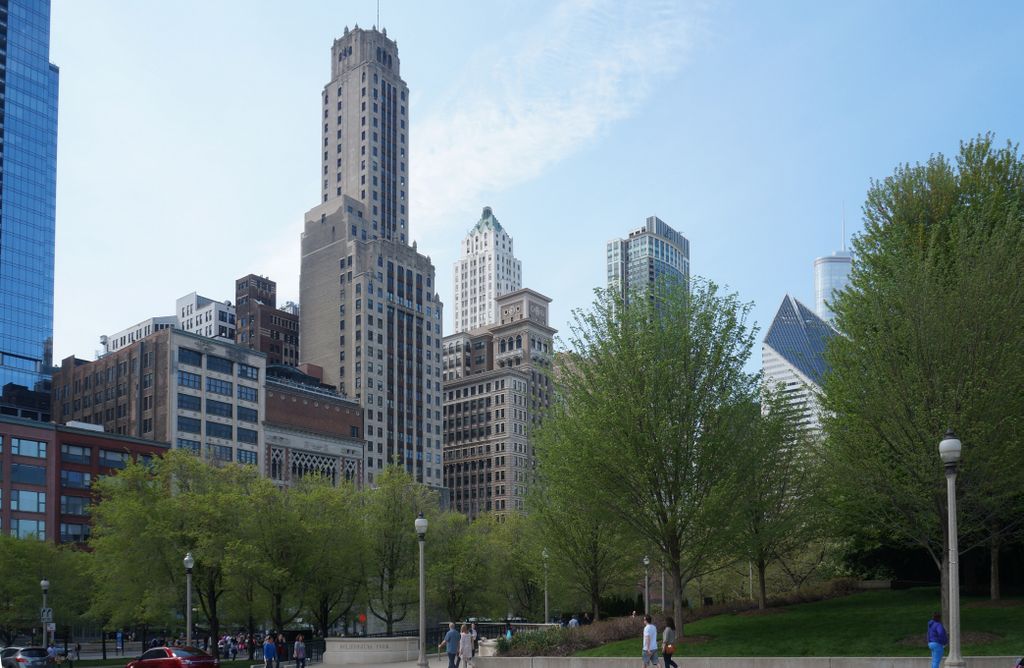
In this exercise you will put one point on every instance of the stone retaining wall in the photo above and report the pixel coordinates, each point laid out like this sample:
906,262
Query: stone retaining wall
738,662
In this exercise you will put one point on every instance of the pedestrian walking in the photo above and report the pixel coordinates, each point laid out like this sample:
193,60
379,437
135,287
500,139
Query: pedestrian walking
937,638
668,642
466,646
269,652
282,649
650,642
574,622
299,652
472,632
451,645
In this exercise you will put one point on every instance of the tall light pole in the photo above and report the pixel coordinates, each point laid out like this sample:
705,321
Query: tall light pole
44,584
949,451
647,585
544,554
421,533
189,562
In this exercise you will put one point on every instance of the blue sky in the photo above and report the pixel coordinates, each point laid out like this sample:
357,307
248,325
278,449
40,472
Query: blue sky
189,134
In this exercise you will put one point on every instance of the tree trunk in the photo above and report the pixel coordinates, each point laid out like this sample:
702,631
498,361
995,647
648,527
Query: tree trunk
762,589
677,596
211,594
994,570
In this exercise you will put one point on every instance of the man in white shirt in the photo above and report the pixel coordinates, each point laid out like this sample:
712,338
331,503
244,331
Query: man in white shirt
650,642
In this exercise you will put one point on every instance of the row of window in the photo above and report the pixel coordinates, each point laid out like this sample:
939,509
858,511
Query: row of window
30,501
219,452
217,430
217,364
217,386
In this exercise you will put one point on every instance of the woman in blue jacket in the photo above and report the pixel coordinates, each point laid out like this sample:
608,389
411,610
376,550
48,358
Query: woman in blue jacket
937,638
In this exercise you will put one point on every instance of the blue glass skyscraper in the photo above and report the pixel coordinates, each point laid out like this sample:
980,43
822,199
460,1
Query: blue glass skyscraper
28,175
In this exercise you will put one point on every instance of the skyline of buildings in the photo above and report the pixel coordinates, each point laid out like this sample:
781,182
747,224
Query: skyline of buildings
369,314
648,255
365,348
487,269
29,85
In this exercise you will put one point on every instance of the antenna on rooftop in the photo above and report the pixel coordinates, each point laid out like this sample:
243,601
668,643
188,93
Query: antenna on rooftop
378,12
844,226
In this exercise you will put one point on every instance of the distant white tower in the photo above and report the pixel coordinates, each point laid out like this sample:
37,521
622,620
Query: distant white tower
831,275
487,270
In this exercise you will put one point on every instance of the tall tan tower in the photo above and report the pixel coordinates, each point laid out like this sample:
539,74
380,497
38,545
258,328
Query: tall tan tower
365,130
371,316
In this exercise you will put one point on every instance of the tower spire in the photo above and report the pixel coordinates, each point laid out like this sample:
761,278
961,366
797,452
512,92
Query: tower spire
844,226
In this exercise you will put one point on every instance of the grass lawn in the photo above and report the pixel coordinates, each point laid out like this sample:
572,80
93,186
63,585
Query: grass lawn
865,624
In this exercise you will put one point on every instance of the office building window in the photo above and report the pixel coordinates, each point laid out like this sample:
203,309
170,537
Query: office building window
218,408
218,386
73,532
218,430
246,457
188,444
190,357
27,528
248,414
222,453
247,435
28,501
74,505
189,425
78,454
190,380
27,474
219,364
27,448
189,402
246,393
75,479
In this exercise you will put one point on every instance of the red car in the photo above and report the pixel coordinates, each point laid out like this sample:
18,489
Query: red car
174,657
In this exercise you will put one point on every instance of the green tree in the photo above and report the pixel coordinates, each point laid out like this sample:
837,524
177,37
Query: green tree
777,493
932,338
390,510
590,553
332,573
24,562
457,565
646,423
147,518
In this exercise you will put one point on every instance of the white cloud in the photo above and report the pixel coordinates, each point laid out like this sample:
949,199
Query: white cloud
532,99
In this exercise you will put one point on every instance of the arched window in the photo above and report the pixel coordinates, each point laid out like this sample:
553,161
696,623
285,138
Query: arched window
519,342
503,345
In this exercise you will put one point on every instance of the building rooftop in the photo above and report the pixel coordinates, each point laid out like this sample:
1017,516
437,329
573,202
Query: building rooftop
487,222
801,337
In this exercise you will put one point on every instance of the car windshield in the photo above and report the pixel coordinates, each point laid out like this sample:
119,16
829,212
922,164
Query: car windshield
33,652
187,652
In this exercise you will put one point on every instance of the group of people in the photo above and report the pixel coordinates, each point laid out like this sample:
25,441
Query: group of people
650,642
276,650
460,645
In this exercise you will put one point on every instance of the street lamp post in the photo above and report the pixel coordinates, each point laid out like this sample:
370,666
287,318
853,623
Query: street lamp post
547,617
189,562
647,585
44,584
949,451
421,533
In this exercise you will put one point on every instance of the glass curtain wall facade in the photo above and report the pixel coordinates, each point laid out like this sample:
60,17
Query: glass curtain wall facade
28,192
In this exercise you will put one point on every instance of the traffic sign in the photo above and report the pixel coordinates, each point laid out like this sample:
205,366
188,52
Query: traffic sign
51,627
46,614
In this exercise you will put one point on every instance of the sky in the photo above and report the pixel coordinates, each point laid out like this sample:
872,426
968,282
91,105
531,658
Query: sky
189,133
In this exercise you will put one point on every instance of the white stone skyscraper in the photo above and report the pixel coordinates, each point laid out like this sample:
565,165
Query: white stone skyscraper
487,269
370,315
652,253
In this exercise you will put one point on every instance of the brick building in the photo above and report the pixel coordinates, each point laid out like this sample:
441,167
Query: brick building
193,392
260,325
310,428
496,386
47,474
